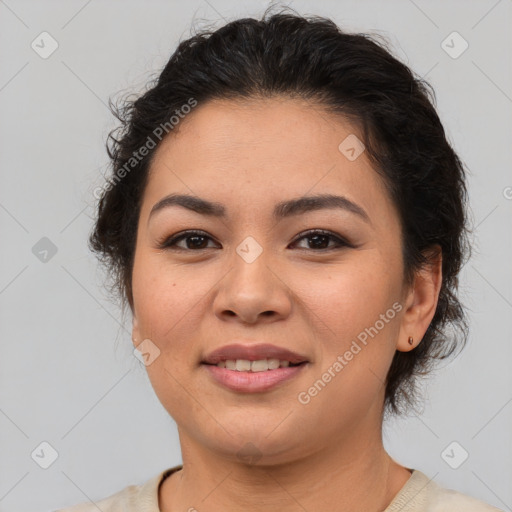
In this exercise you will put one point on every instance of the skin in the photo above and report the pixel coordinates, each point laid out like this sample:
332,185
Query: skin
249,155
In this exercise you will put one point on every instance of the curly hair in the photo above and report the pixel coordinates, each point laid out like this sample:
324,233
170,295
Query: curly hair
351,75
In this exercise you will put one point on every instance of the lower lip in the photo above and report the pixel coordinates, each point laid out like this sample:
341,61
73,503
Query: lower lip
252,382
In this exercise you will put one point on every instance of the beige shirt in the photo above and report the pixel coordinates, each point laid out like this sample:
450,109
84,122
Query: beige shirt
419,494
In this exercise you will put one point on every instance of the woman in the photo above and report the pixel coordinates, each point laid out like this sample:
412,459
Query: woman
286,221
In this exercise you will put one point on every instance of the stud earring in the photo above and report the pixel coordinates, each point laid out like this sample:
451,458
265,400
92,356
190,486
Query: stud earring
410,340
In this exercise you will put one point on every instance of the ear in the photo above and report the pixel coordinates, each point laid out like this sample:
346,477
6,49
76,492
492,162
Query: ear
421,301
136,338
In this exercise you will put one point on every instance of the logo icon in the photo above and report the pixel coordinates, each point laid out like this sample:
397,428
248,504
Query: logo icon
44,250
249,250
44,455
351,147
249,453
146,352
44,45
454,455
454,45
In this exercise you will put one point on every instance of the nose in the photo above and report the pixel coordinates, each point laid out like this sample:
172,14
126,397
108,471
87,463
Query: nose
252,291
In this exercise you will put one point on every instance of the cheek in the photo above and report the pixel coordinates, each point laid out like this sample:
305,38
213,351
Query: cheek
355,324
165,296
168,307
356,316
350,297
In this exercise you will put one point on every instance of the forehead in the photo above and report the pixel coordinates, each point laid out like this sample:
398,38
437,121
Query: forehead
260,151
289,130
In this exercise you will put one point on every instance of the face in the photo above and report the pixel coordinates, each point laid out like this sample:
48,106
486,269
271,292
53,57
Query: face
251,277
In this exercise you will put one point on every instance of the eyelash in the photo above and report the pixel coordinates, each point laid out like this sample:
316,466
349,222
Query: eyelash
170,242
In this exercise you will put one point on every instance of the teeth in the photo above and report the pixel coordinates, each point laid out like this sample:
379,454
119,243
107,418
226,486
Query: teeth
256,366
244,365
273,364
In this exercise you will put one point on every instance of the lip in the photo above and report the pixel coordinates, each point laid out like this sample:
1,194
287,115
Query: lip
253,353
253,382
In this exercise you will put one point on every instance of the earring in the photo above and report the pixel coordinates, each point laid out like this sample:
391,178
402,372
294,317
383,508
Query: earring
410,340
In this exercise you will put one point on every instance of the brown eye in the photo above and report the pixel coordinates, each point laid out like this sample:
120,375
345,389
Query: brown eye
194,241
320,240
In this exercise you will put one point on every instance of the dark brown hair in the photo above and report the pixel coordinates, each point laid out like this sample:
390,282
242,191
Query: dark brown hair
351,75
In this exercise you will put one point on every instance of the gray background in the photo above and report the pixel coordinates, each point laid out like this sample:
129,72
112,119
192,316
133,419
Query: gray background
67,373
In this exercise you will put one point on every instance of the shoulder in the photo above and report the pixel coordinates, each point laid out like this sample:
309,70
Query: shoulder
423,494
449,500
133,498
123,500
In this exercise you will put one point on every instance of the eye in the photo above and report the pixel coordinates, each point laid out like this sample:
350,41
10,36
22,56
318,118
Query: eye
196,238
320,239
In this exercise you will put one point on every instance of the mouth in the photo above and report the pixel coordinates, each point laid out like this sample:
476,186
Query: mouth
259,357
253,368
250,381
260,365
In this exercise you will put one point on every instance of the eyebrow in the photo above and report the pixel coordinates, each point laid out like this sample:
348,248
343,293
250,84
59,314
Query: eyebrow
282,210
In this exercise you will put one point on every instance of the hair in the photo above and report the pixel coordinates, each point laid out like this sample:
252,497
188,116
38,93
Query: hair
351,75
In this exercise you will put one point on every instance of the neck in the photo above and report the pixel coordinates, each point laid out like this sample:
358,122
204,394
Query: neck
349,474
